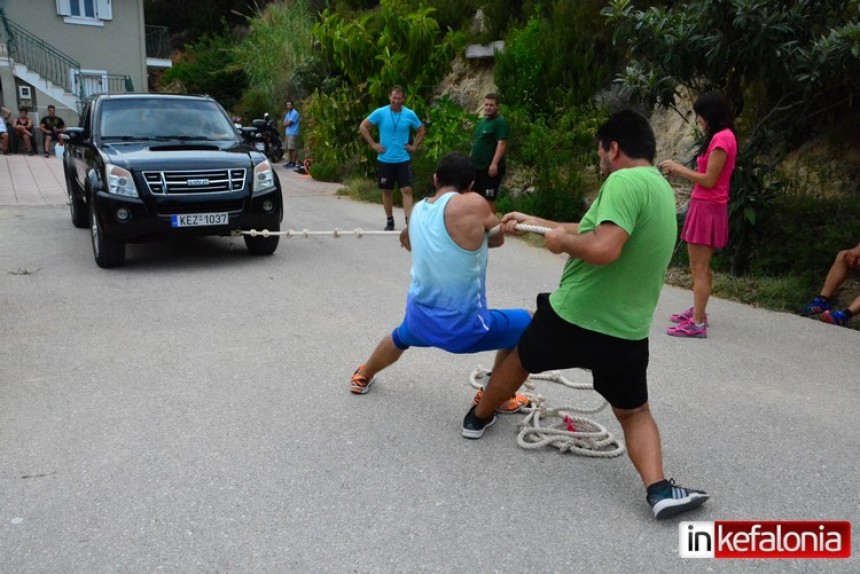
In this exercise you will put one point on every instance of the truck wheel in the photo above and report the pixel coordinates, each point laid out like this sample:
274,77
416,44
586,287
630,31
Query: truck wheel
77,207
108,251
260,245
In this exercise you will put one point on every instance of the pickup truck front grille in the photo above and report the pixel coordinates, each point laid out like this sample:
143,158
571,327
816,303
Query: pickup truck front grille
195,182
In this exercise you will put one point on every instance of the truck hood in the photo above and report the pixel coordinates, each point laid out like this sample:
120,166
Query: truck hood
176,155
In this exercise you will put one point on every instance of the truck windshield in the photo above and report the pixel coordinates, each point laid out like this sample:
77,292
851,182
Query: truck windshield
163,119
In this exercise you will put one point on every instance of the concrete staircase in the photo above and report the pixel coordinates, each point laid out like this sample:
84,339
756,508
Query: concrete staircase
57,93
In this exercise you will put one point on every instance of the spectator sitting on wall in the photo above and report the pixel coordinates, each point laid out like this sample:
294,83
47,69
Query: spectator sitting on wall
51,127
23,127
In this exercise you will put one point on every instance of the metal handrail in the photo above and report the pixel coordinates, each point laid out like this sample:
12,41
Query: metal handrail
57,67
39,56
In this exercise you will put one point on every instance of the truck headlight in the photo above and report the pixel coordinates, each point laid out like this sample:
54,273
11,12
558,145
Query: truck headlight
120,181
264,176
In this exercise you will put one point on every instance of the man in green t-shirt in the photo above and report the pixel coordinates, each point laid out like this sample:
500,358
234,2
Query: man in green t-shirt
601,313
489,143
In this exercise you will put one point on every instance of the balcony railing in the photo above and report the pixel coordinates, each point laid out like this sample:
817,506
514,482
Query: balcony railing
158,42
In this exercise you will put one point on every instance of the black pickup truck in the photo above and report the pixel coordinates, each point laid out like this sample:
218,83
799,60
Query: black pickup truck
147,166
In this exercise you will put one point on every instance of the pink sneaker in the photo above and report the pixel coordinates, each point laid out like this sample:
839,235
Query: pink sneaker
685,316
689,329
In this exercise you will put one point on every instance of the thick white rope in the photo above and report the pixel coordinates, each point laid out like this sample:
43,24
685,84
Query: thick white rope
359,233
571,433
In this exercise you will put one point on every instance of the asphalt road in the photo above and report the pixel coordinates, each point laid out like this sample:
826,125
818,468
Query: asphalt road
190,412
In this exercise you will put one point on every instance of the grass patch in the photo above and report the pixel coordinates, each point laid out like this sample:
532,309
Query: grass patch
774,293
364,189
361,189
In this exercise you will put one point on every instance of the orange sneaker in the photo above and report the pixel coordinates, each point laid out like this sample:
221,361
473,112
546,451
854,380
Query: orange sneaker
360,384
510,406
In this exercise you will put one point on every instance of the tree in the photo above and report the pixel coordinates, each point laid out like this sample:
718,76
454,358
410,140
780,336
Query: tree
790,67
792,60
278,42
205,67
191,20
365,54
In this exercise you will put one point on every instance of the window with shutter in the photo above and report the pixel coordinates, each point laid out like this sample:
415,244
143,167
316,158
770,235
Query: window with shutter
89,12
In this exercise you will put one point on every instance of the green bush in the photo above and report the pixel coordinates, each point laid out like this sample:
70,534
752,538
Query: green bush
325,171
559,59
278,41
803,234
207,67
558,154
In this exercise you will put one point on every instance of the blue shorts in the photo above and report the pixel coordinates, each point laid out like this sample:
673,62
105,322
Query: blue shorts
508,326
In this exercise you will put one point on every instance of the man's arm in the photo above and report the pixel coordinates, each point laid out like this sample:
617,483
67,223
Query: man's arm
364,130
490,222
468,218
501,147
416,141
599,247
43,128
404,239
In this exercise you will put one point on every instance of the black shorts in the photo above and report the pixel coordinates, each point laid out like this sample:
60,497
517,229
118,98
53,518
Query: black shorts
486,185
619,367
389,174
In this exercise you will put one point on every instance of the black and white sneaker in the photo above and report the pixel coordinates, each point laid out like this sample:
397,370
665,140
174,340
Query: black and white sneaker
473,427
675,499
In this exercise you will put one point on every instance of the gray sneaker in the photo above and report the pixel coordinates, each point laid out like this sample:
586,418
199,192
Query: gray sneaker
675,500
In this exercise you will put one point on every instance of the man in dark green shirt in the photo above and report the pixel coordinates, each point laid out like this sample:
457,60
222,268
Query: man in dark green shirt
489,143
51,127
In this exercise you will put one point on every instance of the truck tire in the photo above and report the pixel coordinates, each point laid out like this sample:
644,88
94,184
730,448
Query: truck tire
77,207
260,245
107,251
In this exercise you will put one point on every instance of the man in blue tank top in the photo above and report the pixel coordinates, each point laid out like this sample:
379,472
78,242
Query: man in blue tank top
446,306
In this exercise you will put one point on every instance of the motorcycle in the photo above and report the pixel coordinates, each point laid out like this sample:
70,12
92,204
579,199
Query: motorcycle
268,138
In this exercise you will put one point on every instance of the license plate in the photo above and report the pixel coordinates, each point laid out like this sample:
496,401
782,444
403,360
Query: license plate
199,219
260,146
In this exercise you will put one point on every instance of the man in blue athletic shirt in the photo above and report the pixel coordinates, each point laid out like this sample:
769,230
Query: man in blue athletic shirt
395,123
446,306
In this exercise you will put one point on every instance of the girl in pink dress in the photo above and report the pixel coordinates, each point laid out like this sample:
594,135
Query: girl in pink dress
706,227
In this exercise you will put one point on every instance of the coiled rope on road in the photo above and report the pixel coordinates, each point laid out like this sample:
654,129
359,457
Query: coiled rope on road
570,433
359,233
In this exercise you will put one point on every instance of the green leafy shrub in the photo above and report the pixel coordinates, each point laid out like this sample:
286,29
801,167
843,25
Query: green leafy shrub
365,54
279,40
559,154
804,233
207,67
560,58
